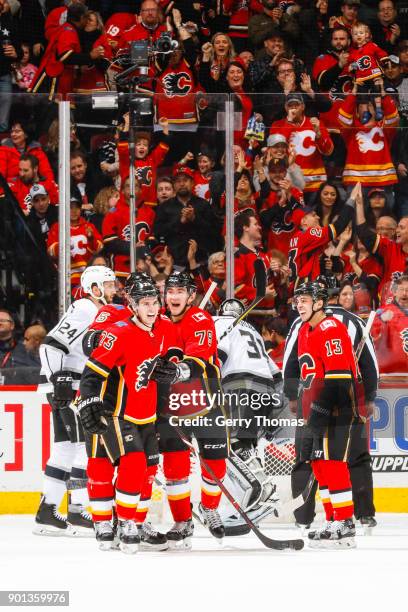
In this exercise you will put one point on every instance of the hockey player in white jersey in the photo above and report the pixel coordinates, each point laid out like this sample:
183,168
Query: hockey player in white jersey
250,381
62,363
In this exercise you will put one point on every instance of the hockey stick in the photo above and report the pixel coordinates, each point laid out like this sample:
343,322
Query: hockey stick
208,294
365,335
268,542
260,281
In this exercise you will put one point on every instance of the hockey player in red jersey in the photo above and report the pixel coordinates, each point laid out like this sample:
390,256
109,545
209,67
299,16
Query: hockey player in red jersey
390,332
123,412
328,374
196,372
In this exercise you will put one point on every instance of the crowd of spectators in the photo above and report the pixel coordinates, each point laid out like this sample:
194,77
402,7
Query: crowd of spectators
320,93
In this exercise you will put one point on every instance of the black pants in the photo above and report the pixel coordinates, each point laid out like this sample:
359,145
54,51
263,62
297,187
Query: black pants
360,473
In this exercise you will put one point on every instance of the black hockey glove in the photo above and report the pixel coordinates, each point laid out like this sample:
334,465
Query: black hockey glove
91,340
319,419
91,411
63,393
167,372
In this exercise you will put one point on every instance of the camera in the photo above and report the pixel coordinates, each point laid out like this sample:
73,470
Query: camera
165,44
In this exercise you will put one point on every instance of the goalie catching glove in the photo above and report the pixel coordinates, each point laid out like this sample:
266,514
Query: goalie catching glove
91,411
63,393
168,372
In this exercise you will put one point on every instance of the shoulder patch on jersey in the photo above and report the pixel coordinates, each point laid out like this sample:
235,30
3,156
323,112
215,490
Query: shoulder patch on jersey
326,323
118,306
121,323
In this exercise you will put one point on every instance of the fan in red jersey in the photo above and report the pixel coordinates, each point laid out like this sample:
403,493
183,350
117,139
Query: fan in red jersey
390,332
328,372
194,390
393,254
118,409
308,244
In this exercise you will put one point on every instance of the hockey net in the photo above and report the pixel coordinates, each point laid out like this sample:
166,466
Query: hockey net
277,457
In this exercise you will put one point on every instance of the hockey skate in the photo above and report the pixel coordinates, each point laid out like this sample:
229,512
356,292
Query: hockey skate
336,534
368,523
49,521
128,535
104,534
179,536
79,521
150,539
211,519
304,529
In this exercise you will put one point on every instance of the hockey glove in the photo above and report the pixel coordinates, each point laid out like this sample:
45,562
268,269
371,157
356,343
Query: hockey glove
91,411
91,340
319,419
63,393
167,372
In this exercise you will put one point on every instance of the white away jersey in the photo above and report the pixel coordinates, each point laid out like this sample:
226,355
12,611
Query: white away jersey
242,351
62,349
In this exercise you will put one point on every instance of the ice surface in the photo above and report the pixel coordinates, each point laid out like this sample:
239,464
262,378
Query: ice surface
243,576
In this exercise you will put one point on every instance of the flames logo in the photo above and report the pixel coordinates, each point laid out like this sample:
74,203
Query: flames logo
177,84
144,372
144,175
404,338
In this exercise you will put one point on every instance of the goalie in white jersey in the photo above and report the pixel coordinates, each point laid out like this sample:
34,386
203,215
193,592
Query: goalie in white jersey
62,363
251,382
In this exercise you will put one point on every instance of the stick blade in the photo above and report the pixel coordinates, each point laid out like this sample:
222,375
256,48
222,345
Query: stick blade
260,277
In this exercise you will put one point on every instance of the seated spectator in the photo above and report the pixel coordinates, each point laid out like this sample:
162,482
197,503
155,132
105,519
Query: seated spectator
290,78
268,17
277,148
392,254
328,203
388,29
205,275
52,143
389,331
92,77
346,296
274,332
248,232
161,260
363,270
106,199
403,56
368,161
377,206
262,69
313,30
86,181
28,176
386,226
349,13
108,158
165,189
85,241
24,71
33,338
310,140
13,356
186,217
247,58
20,143
41,214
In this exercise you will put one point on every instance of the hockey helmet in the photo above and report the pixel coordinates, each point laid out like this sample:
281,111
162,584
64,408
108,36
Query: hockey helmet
139,285
316,290
96,275
180,279
231,308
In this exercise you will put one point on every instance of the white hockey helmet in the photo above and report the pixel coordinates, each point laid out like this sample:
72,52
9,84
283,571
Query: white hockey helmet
96,275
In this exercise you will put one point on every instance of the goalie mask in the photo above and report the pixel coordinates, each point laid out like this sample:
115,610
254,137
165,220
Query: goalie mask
96,276
231,308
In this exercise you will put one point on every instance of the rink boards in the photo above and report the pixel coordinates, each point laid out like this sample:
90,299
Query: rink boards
26,433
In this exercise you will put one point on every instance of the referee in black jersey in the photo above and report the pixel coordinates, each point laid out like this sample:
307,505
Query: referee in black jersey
359,459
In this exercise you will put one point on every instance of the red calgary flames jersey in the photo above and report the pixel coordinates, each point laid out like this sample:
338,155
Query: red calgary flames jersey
244,276
391,340
394,258
146,169
367,59
175,99
305,250
308,148
325,352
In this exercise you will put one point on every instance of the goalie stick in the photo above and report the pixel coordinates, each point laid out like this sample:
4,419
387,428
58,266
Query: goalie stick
260,282
296,544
